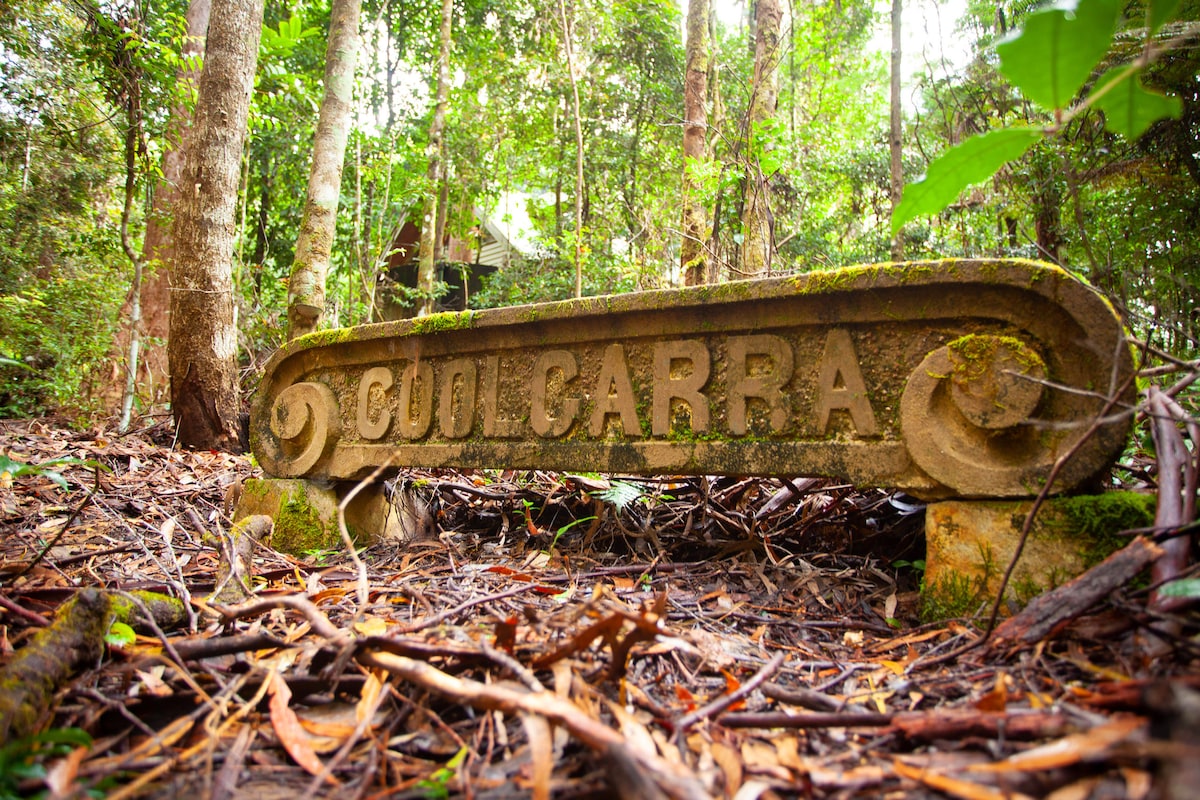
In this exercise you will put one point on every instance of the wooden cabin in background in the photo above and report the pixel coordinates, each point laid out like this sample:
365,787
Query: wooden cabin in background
465,261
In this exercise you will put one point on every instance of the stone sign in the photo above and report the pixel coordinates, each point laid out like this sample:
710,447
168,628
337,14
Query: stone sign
948,378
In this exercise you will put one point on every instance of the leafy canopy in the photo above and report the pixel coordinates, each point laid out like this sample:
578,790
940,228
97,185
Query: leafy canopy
1049,60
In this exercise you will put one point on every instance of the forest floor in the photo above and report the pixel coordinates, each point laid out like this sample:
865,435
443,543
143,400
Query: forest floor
557,636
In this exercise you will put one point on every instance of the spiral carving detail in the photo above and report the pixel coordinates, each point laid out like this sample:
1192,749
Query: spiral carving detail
966,416
305,418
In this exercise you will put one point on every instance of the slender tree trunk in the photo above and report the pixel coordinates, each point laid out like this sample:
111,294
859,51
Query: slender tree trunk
568,27
133,142
757,222
262,217
202,346
158,248
427,254
693,258
310,269
895,143
897,128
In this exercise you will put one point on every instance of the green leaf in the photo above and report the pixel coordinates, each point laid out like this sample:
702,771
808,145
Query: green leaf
120,635
1159,12
1129,109
1057,48
5,361
975,160
1186,587
620,494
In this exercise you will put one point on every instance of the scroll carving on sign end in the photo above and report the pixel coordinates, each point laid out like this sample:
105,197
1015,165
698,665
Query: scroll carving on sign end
970,414
305,423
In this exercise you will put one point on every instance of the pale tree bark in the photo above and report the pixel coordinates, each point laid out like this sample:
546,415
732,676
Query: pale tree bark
568,28
757,223
427,253
158,248
318,227
895,145
693,255
202,345
133,143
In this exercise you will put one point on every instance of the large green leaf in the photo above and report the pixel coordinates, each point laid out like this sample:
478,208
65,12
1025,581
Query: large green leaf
1057,48
1128,107
975,160
1159,12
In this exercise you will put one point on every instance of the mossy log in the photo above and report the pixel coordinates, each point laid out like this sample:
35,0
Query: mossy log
167,612
29,681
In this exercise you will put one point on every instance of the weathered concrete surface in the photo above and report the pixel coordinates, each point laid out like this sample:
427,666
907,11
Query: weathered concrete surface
948,378
305,514
969,545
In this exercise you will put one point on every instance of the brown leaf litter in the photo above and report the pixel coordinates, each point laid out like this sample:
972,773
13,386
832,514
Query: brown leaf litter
563,636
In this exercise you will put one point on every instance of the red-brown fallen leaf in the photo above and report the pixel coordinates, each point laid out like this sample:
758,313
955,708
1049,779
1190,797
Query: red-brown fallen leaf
287,728
506,634
732,684
997,699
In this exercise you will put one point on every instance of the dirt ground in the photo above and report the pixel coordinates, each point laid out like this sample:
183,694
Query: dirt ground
557,636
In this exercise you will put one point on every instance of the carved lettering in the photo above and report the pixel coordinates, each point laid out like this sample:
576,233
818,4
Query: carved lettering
493,424
543,424
764,381
917,381
840,385
460,372
377,429
614,394
684,386
416,402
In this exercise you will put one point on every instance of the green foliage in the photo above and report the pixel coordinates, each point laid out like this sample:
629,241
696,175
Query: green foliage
1049,61
62,327
619,494
1053,54
10,469
120,635
24,760
950,597
1128,108
436,786
974,160
1183,587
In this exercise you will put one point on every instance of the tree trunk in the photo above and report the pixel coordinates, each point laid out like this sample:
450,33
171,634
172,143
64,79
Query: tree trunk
894,138
202,346
568,27
693,258
757,222
427,254
158,248
306,286
133,142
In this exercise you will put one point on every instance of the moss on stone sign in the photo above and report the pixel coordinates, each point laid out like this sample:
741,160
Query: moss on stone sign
945,378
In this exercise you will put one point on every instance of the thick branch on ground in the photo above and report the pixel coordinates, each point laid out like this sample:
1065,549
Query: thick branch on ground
29,682
1054,608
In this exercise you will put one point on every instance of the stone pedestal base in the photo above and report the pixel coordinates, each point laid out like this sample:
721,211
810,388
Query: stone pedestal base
305,514
969,544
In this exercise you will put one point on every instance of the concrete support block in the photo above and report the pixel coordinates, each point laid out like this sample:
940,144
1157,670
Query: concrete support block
305,514
969,544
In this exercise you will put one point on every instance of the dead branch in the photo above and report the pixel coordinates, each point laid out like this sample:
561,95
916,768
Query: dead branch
31,679
510,700
1047,612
